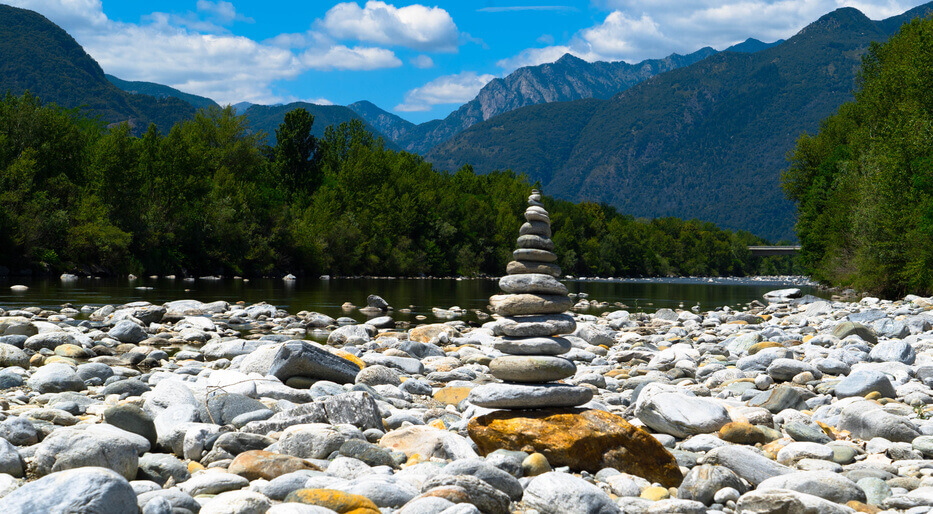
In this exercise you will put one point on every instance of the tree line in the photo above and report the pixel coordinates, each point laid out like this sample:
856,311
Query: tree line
211,196
863,184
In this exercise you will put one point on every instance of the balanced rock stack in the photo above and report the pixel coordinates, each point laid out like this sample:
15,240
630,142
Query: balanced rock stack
534,315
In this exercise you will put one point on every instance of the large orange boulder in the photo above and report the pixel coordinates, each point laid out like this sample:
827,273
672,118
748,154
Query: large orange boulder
582,439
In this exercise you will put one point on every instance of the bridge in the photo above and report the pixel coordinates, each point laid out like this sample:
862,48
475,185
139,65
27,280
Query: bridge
769,251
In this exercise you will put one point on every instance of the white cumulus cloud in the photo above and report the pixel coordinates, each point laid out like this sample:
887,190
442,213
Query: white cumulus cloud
448,89
340,57
414,26
198,56
422,61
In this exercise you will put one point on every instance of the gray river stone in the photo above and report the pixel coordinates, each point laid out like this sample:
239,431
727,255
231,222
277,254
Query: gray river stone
524,396
533,255
893,351
537,242
535,326
88,489
531,368
532,345
532,283
680,415
537,228
518,267
562,493
126,331
860,383
50,340
69,448
825,484
537,215
55,378
529,304
747,463
13,356
867,419
305,359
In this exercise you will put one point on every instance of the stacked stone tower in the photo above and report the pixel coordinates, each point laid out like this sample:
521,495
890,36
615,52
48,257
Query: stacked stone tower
533,316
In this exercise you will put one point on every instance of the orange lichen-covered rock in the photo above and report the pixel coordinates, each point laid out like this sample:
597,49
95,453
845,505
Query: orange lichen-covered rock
350,357
452,395
255,464
581,439
757,347
425,333
743,433
338,501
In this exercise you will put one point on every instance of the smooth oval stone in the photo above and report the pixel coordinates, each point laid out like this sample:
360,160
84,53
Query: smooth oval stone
537,216
524,304
535,228
535,326
526,396
523,267
534,255
531,368
532,345
532,283
536,242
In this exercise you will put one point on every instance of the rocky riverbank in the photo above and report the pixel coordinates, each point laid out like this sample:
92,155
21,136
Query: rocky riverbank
793,405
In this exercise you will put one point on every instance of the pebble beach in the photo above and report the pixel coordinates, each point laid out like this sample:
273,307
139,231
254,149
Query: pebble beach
794,404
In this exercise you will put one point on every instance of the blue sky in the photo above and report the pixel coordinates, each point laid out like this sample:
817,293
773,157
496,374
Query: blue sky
417,60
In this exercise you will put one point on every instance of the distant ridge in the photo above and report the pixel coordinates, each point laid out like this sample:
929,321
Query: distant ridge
568,78
267,118
160,91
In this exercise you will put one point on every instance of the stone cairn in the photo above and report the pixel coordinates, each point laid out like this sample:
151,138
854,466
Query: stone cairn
533,316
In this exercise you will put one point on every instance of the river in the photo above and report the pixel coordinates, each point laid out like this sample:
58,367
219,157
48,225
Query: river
418,295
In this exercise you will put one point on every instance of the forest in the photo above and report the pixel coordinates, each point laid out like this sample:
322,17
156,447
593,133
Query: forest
863,185
211,196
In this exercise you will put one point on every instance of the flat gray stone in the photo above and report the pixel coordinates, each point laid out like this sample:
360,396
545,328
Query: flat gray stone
535,326
532,345
532,283
867,419
522,267
533,255
526,396
531,368
535,242
55,378
529,304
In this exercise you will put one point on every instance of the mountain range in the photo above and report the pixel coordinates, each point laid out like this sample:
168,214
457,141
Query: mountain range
706,141
702,135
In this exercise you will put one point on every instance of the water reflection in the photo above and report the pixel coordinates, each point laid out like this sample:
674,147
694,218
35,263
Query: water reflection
327,296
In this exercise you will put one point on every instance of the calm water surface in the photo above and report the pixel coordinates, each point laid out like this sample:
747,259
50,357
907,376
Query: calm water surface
420,295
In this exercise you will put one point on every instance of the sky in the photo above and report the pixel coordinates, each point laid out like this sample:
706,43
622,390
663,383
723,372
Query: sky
417,60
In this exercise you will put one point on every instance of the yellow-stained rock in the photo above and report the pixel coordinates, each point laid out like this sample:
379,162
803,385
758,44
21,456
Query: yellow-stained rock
808,337
58,358
350,357
338,501
425,333
438,424
452,395
194,466
858,506
535,464
36,360
737,322
581,439
743,433
255,464
874,395
655,493
74,351
757,347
